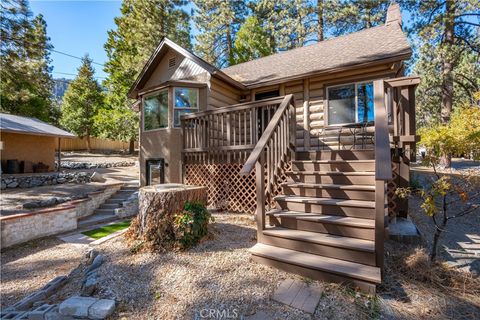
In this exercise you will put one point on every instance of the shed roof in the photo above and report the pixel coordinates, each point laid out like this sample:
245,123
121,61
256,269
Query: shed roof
369,45
25,125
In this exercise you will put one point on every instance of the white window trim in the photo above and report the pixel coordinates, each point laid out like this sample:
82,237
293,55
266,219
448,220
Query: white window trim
175,103
356,101
151,94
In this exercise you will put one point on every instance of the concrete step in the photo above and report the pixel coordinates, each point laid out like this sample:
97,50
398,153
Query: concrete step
96,219
321,223
318,267
339,191
114,201
329,206
110,205
105,211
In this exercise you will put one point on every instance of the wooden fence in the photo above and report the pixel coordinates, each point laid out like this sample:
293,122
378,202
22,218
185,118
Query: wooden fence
77,144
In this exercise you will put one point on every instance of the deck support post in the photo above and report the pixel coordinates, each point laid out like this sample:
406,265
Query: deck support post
260,189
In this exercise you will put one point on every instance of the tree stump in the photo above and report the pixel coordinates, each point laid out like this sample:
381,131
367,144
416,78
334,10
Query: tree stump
158,205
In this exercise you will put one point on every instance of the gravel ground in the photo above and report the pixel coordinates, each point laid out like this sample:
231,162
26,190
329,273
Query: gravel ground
28,267
97,157
11,200
218,275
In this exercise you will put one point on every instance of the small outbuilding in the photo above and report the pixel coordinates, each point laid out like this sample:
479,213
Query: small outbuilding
28,144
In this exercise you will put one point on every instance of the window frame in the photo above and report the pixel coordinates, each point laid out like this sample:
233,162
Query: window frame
355,83
174,103
151,94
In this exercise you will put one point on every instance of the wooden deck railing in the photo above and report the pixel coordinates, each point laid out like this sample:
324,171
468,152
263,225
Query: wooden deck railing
398,97
270,154
226,134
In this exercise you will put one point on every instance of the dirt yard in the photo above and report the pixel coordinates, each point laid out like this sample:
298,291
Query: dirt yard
97,157
219,275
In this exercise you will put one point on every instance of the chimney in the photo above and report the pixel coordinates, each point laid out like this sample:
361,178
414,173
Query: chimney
394,14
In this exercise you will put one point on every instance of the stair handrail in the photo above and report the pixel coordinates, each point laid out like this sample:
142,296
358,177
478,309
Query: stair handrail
275,144
267,134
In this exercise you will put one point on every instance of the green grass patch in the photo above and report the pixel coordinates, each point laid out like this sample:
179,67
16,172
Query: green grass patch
106,230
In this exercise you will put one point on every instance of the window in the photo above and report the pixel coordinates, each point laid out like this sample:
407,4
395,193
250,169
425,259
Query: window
350,103
186,101
155,111
266,95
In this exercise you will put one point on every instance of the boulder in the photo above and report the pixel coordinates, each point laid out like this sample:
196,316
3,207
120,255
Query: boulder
97,177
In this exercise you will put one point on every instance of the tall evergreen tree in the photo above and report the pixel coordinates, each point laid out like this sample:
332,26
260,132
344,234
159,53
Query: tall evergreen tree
252,41
218,22
26,83
81,102
354,15
139,29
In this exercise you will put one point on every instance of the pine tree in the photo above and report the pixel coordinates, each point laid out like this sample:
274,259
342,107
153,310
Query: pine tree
218,22
81,102
140,28
26,83
354,15
252,41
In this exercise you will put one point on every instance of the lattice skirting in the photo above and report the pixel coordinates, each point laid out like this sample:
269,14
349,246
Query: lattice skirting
227,189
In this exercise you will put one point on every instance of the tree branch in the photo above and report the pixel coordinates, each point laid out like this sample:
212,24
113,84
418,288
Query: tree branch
468,22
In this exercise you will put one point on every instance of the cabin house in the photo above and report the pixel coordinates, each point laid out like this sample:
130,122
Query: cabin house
312,140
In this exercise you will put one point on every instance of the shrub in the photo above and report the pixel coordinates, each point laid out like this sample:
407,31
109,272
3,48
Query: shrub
192,224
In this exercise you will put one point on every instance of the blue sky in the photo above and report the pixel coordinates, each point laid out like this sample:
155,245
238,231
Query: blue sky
76,28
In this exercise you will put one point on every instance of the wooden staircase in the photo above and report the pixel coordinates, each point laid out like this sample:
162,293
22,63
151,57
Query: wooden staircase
323,226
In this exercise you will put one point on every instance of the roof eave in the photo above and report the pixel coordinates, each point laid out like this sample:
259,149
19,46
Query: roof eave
71,136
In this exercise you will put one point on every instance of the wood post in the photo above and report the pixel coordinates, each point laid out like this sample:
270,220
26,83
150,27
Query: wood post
380,209
59,154
260,189
306,114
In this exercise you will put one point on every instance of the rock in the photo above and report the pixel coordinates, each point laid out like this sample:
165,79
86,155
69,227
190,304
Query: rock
39,313
38,304
91,255
76,306
101,309
4,185
90,283
97,262
97,177
29,300
12,184
31,205
61,180
54,285
12,314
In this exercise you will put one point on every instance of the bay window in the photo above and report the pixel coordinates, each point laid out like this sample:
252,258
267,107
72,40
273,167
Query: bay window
186,101
155,111
350,103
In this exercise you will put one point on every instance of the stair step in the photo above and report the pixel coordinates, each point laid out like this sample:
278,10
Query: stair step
114,201
110,205
329,206
128,190
333,165
332,177
366,154
320,223
327,201
337,220
359,187
314,262
322,238
105,211
96,219
340,191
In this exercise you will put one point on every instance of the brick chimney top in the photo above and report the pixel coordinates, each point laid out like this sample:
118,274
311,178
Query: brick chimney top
394,14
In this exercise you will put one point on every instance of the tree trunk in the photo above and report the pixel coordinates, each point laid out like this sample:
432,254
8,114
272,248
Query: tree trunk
321,36
87,136
447,78
230,47
436,236
131,147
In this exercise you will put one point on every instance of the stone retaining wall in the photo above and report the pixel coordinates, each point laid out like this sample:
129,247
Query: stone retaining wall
23,227
43,180
91,165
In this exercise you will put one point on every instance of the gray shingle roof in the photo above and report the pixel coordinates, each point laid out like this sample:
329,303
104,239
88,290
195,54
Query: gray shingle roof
24,125
377,43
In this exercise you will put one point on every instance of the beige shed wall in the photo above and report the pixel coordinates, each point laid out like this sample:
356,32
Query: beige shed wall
29,148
